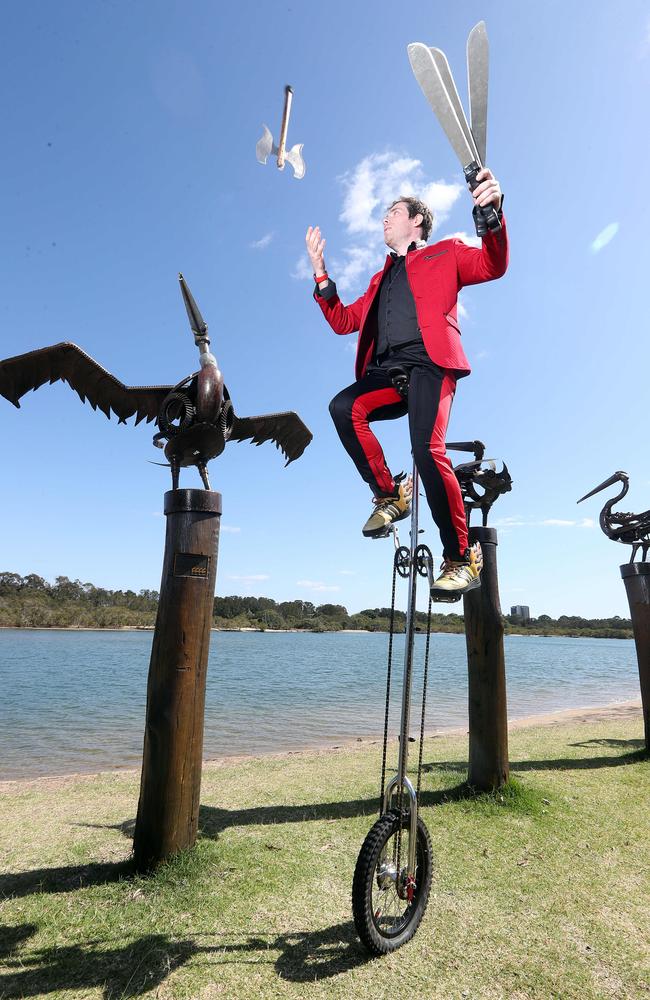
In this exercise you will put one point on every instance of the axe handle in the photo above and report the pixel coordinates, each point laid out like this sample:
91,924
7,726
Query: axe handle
288,97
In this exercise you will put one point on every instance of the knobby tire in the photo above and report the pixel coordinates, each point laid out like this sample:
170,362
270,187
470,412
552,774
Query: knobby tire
380,932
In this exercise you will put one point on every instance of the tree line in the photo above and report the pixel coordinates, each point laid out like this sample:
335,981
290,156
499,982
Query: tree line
30,601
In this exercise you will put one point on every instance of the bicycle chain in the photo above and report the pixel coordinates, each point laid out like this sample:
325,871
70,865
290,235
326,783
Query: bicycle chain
423,564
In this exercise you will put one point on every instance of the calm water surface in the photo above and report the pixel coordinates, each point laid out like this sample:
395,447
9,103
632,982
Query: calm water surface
75,701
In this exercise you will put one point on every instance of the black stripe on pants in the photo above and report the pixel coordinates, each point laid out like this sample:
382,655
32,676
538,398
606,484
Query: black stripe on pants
374,397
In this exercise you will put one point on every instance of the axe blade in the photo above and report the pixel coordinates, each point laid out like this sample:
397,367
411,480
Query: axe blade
265,147
294,158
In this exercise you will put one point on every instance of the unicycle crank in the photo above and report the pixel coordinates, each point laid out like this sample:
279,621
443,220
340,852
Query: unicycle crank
403,562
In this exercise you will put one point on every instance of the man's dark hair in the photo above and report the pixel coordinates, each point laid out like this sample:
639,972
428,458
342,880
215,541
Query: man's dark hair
417,207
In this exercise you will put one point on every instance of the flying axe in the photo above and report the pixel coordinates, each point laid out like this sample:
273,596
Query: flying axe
266,147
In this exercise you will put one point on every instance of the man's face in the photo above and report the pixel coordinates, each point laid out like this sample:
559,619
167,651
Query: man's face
399,228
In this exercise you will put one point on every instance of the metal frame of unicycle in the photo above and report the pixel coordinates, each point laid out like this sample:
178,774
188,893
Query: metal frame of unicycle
386,927
379,865
411,562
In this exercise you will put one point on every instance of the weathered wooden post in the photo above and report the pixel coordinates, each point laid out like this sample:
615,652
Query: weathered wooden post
488,714
636,577
168,810
481,484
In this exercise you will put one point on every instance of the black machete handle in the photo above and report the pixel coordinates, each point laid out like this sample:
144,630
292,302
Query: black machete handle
484,218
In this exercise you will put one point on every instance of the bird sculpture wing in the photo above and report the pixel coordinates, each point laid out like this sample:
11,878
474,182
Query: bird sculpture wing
286,430
68,363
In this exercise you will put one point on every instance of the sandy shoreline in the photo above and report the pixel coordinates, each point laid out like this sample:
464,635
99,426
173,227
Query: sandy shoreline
619,711
291,631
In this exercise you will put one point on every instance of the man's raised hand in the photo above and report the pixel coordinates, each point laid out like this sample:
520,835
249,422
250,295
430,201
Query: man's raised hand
315,247
488,189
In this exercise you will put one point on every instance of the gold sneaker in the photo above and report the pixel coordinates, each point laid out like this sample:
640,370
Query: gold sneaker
390,509
458,578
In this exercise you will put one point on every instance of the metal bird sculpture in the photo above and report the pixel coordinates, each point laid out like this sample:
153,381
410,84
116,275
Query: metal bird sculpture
195,416
481,473
630,529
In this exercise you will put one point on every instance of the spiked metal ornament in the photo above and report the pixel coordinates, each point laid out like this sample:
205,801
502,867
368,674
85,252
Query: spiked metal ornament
480,482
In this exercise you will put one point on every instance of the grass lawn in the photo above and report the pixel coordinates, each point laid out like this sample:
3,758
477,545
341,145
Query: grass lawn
541,892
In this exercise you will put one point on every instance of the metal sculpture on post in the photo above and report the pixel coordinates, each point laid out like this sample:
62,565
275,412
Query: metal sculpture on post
481,484
195,416
195,420
632,529
481,474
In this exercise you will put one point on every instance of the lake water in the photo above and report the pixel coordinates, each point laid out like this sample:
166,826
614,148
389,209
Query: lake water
75,701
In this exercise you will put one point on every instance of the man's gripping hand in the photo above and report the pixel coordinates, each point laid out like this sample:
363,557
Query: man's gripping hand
488,190
315,247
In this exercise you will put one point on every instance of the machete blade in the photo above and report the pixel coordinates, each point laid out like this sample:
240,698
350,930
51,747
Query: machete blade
427,74
444,68
478,54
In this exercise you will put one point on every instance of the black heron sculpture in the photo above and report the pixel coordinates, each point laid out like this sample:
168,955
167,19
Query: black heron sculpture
630,529
195,417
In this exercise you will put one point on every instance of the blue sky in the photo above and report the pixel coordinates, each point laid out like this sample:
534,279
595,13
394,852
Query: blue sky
129,134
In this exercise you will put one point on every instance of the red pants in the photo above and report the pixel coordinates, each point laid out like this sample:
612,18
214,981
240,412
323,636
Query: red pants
431,393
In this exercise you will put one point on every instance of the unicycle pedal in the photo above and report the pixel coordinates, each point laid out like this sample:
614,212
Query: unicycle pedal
445,596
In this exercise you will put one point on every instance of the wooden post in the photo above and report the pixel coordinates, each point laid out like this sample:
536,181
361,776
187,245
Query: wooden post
488,713
168,810
637,584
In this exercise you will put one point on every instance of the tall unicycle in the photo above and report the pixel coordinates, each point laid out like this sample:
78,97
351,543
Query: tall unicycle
392,878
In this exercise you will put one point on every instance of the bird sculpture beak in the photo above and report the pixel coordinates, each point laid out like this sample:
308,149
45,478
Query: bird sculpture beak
616,478
197,323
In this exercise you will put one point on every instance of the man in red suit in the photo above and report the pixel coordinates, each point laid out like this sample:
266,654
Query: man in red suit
407,318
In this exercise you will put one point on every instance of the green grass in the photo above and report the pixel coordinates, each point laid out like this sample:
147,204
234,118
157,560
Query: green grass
541,890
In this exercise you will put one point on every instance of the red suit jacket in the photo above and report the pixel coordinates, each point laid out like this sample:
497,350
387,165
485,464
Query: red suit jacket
435,275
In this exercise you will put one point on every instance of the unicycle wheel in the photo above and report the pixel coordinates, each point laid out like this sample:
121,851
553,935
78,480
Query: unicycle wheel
384,916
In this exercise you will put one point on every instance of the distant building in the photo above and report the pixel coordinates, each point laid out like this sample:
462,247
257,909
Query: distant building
520,611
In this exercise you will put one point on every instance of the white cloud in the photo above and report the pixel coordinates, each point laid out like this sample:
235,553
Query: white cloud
303,269
355,264
369,188
555,522
548,522
315,585
230,529
604,237
262,243
347,572
471,239
462,311
251,578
